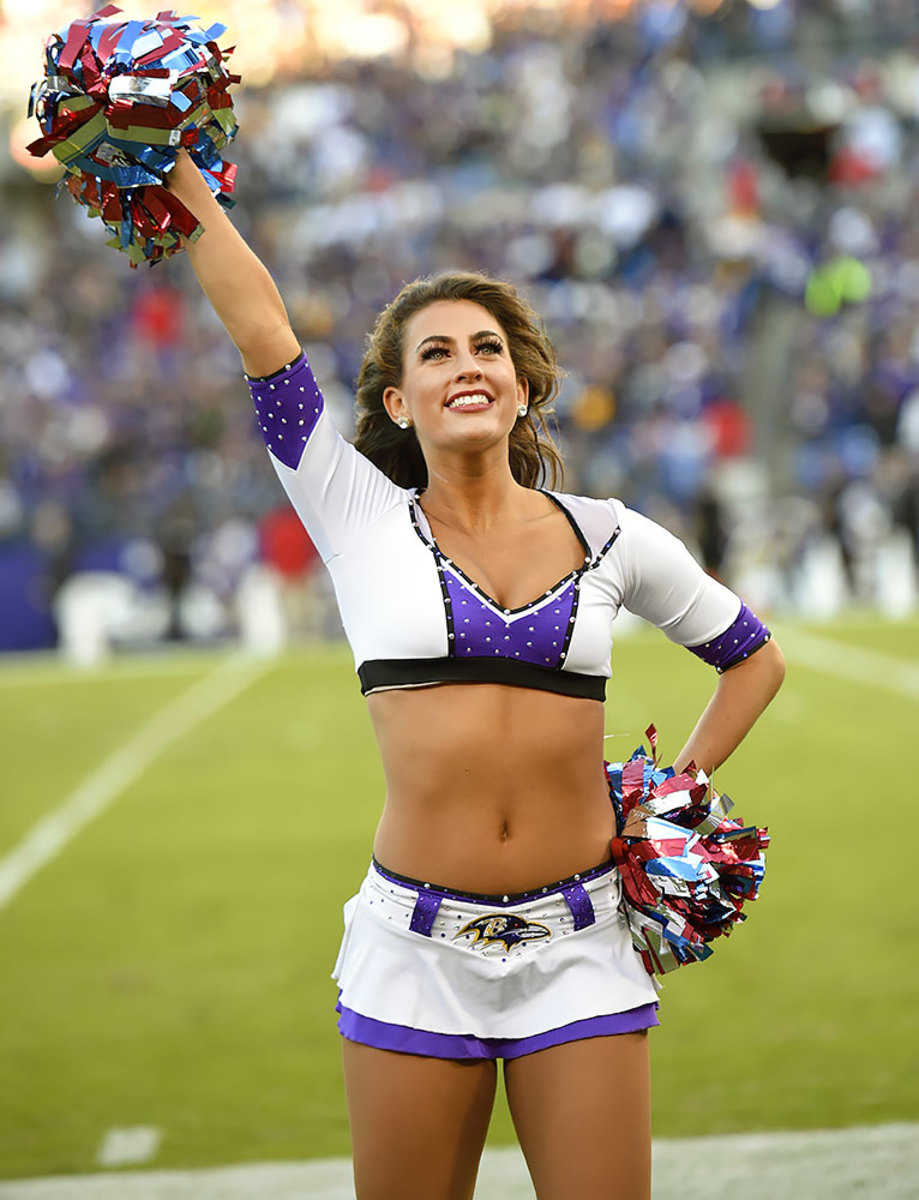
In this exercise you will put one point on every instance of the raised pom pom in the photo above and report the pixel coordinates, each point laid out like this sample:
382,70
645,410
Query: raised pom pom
687,869
117,101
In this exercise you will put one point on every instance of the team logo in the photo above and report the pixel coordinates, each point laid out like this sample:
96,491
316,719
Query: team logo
503,927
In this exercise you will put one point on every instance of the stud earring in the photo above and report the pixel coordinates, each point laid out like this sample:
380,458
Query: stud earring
522,410
404,423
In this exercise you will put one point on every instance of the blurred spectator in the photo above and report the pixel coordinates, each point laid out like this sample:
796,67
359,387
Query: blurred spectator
293,570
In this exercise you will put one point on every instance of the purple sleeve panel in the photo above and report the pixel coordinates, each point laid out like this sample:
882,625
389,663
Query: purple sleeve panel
287,405
741,638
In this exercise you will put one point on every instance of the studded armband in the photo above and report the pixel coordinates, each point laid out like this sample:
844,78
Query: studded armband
741,638
287,405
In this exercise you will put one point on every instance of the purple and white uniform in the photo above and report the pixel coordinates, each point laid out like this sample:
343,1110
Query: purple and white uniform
424,969
413,618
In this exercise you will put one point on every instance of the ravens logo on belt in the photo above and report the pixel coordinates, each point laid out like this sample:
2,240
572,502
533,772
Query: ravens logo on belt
503,927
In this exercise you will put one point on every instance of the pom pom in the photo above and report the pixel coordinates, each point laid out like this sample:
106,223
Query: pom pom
117,101
687,868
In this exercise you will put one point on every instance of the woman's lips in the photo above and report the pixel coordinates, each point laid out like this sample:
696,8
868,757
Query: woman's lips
470,402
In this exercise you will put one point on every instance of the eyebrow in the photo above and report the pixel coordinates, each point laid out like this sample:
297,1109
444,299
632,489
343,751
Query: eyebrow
443,337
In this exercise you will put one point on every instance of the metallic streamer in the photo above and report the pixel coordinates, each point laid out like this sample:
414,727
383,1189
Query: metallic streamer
117,101
687,868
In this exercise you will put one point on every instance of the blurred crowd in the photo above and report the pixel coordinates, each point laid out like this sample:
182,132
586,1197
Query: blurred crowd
716,215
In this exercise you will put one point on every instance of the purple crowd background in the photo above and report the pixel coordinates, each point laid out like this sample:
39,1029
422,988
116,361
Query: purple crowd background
717,217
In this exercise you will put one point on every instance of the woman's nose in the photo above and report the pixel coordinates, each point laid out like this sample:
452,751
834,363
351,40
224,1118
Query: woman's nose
467,366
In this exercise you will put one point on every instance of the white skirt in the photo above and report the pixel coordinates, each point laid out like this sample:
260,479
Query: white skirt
427,970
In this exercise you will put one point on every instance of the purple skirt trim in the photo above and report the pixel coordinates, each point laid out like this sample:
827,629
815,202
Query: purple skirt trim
384,1036
496,901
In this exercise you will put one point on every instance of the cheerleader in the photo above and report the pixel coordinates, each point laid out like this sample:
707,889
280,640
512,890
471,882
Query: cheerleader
480,606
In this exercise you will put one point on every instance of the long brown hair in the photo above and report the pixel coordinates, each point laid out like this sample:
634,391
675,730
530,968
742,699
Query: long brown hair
533,456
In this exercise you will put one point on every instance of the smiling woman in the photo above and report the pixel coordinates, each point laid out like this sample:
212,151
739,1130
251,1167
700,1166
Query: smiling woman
518,338
480,610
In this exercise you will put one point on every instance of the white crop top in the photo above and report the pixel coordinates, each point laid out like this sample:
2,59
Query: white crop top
413,618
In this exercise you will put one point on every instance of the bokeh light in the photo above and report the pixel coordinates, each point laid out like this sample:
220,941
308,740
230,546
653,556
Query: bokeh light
276,39
47,169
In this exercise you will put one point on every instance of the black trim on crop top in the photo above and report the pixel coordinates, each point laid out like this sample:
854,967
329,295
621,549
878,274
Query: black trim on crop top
387,673
442,558
410,626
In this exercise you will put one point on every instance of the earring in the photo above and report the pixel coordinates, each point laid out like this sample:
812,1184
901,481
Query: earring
404,423
522,410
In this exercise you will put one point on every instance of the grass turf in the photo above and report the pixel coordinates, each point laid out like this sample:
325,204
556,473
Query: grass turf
170,968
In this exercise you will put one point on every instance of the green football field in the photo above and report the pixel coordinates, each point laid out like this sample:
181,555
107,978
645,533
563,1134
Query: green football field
178,834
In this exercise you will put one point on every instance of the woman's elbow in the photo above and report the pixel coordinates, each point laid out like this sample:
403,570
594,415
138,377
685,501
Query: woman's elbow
763,672
267,349
773,662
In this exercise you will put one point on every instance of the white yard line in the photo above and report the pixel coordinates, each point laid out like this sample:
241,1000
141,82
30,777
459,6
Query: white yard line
874,1162
129,1146
852,663
53,832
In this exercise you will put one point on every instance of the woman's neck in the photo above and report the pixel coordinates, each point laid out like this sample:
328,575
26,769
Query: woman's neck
464,497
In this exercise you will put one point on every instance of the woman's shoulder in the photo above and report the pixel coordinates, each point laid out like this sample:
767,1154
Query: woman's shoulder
606,522
597,521
600,508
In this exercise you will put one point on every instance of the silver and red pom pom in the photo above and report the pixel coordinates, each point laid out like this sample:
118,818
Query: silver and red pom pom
687,868
117,101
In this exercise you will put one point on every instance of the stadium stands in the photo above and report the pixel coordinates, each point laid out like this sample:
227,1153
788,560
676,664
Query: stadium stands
713,206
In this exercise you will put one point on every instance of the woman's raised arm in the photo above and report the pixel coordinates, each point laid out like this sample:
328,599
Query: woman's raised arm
234,279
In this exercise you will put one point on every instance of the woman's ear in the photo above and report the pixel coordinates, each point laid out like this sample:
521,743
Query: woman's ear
523,390
394,404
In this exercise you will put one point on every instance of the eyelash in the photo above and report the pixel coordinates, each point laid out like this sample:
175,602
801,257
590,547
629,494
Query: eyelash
430,352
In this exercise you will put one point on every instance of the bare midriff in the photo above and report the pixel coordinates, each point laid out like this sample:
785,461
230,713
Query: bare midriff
491,788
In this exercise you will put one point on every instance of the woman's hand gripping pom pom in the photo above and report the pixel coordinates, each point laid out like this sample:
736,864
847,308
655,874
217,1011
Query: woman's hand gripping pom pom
117,101
686,868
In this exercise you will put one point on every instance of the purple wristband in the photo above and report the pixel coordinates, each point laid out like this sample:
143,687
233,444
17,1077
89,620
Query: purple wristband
287,406
741,638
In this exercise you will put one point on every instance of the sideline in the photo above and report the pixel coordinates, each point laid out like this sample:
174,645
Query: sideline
49,836
852,663
878,1162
